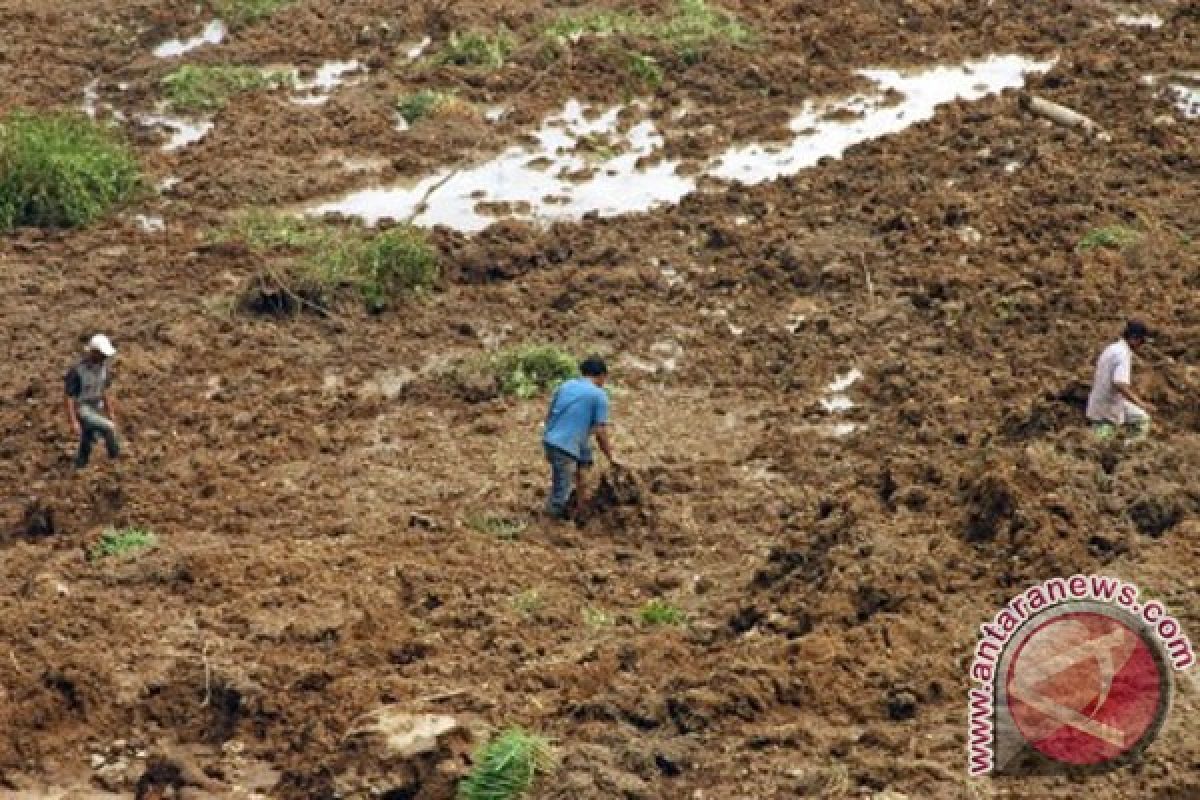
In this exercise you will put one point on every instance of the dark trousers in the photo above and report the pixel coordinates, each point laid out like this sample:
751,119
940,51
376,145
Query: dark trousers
92,424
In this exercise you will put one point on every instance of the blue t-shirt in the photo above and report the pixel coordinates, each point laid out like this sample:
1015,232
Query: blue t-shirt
578,406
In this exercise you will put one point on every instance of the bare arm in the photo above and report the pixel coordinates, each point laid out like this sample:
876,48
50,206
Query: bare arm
72,417
110,406
605,446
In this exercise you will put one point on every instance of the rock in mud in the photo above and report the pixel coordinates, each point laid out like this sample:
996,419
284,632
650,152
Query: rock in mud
399,754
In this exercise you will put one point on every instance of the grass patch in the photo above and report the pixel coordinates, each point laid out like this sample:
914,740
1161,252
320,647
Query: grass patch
430,103
240,13
660,612
644,70
499,527
475,49
595,618
196,88
61,170
694,27
527,602
324,259
507,766
1115,237
122,541
529,370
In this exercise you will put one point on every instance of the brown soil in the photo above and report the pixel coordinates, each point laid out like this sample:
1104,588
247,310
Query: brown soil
310,477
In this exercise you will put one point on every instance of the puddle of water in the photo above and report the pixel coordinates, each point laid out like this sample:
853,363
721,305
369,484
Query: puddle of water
91,97
844,382
169,183
1140,20
151,223
329,77
823,130
1187,99
839,430
417,50
183,131
1012,166
552,180
535,181
214,33
495,113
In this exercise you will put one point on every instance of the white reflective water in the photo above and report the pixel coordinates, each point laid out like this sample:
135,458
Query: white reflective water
183,131
329,76
554,179
214,33
418,49
150,223
821,132
91,98
1140,20
1187,97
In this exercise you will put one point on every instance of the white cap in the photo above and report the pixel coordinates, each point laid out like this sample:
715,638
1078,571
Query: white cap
102,345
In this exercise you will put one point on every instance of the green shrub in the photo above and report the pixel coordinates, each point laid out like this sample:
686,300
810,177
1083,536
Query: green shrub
506,767
526,371
644,69
397,259
500,527
527,602
61,171
1116,237
478,49
119,542
660,612
596,23
690,30
424,103
240,13
191,88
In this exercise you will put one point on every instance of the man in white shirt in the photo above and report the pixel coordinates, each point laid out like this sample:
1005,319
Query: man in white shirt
90,407
1112,403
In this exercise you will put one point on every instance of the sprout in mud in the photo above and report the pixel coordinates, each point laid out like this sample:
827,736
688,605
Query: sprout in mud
61,170
507,766
474,49
660,612
429,103
119,542
1116,237
191,88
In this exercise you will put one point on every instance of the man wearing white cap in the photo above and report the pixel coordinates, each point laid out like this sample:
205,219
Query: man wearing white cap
89,408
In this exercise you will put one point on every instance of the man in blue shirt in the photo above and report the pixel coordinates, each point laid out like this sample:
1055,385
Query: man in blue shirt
579,408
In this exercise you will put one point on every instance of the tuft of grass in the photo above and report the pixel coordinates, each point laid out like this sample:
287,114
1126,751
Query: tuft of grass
694,27
325,259
122,541
531,369
1116,237
193,88
425,103
61,170
240,13
660,612
507,766
500,527
527,602
644,69
475,49
596,618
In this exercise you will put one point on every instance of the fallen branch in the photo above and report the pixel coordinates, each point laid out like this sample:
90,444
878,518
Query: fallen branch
1059,114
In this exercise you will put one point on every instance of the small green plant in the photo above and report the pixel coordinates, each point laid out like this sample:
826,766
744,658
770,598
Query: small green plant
570,27
500,527
398,259
240,13
529,370
527,602
689,31
660,612
61,170
644,70
422,104
474,49
193,88
1116,237
507,766
596,618
119,542
265,230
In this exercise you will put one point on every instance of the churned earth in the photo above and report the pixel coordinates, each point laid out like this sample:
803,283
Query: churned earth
312,479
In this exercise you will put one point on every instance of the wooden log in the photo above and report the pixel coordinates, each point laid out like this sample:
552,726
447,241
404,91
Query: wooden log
1059,114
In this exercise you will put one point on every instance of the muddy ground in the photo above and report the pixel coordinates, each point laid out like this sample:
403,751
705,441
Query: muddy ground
311,478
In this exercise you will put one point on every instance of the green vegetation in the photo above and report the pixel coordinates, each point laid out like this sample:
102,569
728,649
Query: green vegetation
325,258
596,618
500,527
644,70
527,601
425,103
474,49
240,13
193,88
1116,237
693,28
61,170
526,371
660,612
506,767
119,542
